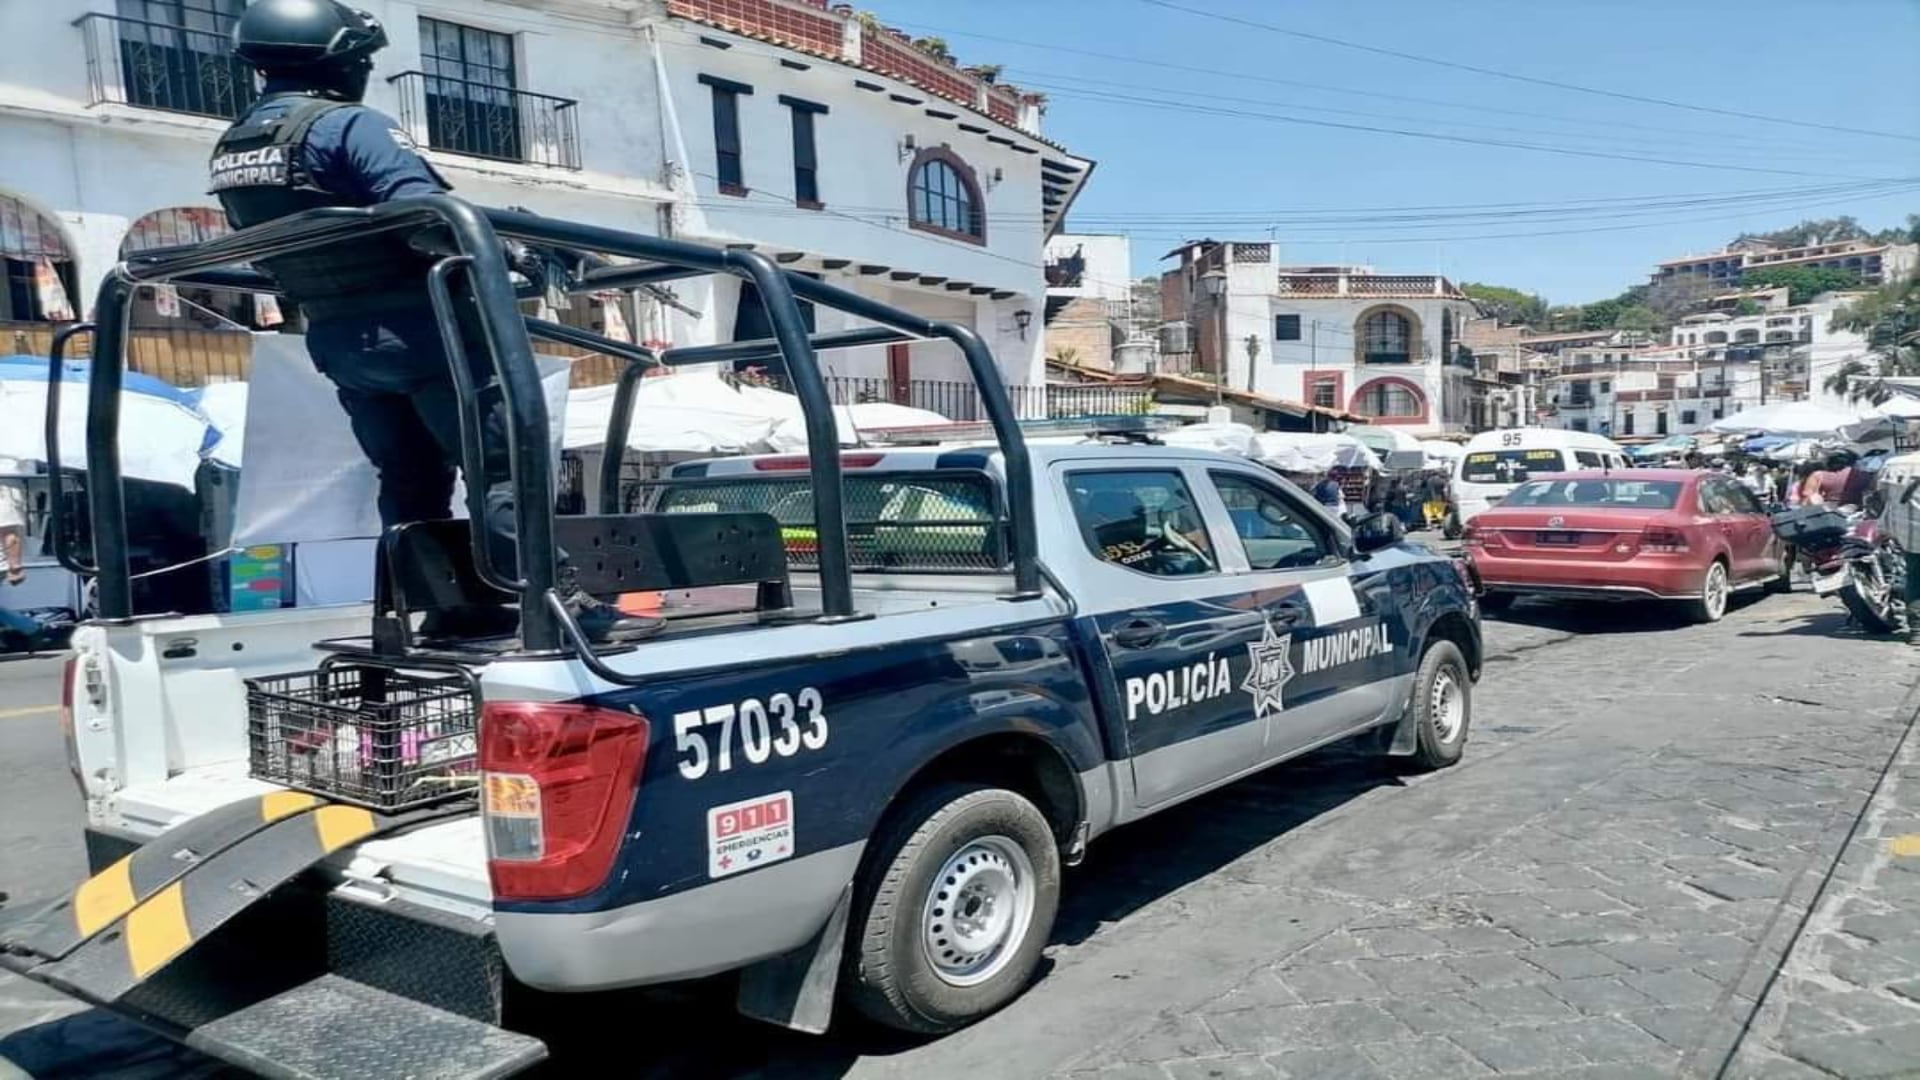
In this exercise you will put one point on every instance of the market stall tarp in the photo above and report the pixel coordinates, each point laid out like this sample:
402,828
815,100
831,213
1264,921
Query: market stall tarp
225,405
1228,438
163,434
701,413
1803,419
305,477
1307,453
1440,453
1382,440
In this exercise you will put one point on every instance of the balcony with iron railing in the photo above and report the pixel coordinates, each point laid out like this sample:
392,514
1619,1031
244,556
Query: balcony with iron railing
158,65
482,120
1386,286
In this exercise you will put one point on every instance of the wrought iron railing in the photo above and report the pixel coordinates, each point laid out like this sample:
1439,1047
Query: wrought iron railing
158,65
483,120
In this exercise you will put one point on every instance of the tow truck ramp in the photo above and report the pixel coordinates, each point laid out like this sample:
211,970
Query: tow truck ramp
116,938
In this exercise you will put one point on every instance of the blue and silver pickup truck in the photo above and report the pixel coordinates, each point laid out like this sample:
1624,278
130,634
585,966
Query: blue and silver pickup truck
898,690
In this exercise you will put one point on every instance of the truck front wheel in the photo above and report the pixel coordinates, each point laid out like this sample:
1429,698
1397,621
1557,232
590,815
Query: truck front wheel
954,908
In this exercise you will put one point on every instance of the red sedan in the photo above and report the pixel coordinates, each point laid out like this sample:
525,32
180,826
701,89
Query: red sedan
1664,534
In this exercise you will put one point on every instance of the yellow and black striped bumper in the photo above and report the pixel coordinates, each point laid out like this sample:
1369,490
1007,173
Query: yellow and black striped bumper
130,920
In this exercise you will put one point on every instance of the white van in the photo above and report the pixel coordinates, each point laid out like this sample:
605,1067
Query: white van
1496,461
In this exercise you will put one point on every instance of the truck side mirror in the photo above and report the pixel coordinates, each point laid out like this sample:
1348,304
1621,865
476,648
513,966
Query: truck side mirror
1376,531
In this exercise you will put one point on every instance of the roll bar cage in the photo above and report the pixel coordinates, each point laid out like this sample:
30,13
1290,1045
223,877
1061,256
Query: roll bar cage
478,269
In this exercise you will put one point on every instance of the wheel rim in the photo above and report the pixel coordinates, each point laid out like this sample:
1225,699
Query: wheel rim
978,911
1715,593
1447,706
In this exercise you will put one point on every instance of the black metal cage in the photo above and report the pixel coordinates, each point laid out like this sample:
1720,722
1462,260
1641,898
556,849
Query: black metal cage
477,273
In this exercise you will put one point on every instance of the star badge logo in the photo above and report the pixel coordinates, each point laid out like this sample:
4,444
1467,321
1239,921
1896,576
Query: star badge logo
1270,671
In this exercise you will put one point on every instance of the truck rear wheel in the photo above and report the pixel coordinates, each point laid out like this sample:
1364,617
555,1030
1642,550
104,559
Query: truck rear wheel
953,909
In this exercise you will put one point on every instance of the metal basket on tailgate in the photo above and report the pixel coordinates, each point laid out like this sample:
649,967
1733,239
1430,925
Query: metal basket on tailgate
364,734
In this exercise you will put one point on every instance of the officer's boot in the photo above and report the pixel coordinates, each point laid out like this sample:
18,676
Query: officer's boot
599,621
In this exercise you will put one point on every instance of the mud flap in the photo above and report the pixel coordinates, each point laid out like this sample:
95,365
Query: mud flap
1406,733
795,990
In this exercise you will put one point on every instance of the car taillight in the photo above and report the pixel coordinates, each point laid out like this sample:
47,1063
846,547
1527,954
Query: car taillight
557,787
1662,539
1472,537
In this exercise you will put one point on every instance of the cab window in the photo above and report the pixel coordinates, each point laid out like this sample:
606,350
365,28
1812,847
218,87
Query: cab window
1143,520
1587,459
1275,532
1508,466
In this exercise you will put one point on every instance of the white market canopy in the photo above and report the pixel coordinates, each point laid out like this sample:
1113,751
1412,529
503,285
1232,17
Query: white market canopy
1803,419
1313,452
701,413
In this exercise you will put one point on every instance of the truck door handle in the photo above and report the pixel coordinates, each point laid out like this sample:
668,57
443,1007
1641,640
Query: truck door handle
1139,633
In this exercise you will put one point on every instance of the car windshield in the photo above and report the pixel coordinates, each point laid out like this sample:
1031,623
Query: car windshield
1509,466
1631,494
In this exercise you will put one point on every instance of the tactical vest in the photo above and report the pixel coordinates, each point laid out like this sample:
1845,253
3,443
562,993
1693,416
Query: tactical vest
258,173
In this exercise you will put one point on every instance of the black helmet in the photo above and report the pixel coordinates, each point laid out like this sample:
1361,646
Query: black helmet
289,35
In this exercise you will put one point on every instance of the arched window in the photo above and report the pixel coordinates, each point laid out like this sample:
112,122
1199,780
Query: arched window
1716,337
1387,338
1388,398
36,268
187,307
942,197
1746,337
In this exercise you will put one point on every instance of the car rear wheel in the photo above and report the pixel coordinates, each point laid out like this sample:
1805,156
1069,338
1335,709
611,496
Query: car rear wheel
1442,707
1711,604
954,910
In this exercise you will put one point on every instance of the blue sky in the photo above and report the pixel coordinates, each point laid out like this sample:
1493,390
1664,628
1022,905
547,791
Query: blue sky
1168,173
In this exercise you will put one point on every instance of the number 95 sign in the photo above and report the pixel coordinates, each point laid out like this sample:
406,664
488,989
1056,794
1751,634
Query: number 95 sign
707,739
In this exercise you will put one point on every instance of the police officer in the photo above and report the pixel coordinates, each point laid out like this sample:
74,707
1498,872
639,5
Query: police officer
308,143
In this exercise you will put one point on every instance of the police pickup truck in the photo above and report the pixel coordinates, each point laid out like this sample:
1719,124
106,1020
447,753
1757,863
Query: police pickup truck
862,795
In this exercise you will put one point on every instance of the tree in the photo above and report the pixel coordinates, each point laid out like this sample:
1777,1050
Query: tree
1601,314
1811,231
934,46
1803,282
1747,306
1506,304
1636,318
1890,318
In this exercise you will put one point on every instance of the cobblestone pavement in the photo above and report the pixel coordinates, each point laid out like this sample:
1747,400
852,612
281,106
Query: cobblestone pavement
1605,888
1627,924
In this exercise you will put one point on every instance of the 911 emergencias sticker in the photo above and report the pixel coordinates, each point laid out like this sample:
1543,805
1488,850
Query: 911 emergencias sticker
750,833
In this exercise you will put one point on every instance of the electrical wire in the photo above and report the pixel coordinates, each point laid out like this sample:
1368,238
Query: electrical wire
1215,72
1517,77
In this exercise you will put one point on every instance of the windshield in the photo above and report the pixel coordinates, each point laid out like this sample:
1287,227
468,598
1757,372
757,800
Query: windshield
1508,466
1633,494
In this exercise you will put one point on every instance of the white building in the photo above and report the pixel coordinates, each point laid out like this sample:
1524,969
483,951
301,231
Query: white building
1381,345
1089,304
814,135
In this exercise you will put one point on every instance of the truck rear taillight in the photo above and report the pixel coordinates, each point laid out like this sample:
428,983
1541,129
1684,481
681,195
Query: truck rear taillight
557,788
1663,540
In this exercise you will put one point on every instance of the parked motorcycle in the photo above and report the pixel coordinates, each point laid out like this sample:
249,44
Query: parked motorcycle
1845,556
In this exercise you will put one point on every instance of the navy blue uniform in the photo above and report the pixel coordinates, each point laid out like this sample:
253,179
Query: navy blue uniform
370,324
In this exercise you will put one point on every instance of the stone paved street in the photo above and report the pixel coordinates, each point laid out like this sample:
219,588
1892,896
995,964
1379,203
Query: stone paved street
1605,888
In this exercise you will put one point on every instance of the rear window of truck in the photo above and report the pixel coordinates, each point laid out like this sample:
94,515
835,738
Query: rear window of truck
895,521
